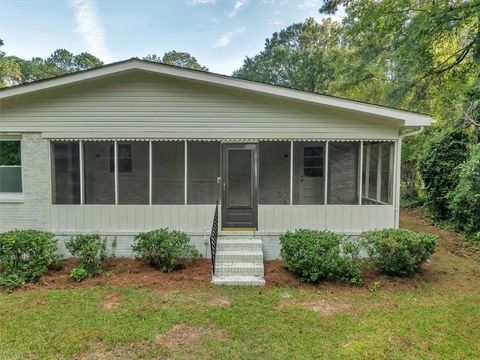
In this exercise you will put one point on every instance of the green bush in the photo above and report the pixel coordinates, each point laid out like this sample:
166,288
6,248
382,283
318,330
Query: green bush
79,274
26,255
399,252
90,252
465,200
321,255
164,248
440,168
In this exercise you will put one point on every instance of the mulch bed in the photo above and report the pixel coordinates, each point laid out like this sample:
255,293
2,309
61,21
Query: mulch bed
196,275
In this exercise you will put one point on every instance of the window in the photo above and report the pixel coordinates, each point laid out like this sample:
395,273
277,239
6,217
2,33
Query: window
124,158
10,166
99,180
66,172
203,171
168,173
274,172
313,161
343,173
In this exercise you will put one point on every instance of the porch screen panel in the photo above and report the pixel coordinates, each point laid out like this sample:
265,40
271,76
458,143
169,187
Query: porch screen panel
343,173
309,173
386,172
378,173
133,172
66,172
274,172
99,173
203,170
168,172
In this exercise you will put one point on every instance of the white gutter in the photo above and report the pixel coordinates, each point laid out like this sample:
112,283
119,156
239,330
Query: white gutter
398,162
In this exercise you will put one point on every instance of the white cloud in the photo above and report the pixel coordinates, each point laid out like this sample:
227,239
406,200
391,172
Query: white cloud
239,4
204,2
304,4
226,38
90,28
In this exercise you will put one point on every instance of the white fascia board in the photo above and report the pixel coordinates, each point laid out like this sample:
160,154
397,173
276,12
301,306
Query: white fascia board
410,119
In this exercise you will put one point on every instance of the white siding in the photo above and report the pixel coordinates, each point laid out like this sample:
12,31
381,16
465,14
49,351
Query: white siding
197,219
137,105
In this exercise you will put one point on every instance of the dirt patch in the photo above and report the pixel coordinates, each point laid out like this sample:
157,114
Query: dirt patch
324,307
111,302
222,301
187,337
135,350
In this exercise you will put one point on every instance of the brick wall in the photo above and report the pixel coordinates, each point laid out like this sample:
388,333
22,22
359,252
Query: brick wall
34,212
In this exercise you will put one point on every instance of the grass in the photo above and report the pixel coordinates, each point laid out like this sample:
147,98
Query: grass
434,317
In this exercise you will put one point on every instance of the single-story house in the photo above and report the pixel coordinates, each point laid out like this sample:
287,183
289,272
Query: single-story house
134,146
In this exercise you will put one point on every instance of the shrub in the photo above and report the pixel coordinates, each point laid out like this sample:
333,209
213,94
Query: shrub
91,253
399,252
465,200
79,274
440,168
318,255
25,255
164,248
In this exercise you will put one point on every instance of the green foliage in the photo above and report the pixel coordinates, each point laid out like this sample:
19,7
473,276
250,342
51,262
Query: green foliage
321,255
79,274
9,70
164,248
176,58
440,168
10,153
25,255
91,253
465,199
399,252
302,56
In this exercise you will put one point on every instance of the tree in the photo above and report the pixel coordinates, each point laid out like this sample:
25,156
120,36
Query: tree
302,57
440,168
9,70
180,59
425,54
60,62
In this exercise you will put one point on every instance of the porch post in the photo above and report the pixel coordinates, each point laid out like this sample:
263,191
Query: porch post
150,176
82,189
115,162
185,170
360,178
325,190
291,172
396,187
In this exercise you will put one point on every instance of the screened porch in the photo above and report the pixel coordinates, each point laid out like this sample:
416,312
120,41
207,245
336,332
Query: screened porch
338,185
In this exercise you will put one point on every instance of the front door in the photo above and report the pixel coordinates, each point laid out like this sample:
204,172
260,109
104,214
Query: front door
240,186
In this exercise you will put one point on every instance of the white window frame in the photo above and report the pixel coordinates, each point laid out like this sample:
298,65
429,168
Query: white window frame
14,197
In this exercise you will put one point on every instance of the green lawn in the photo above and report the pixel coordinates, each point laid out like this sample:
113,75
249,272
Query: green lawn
432,316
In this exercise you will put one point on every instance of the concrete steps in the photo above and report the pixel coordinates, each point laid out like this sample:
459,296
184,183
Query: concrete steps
239,262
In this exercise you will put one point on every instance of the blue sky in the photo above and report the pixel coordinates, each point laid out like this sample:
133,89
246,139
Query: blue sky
219,33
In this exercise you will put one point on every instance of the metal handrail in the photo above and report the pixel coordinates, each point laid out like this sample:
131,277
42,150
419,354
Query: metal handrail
213,238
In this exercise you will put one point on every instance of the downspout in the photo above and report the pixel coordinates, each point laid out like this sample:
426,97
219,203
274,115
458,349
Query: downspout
398,162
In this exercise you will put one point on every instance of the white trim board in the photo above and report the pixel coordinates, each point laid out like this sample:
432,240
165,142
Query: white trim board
408,119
